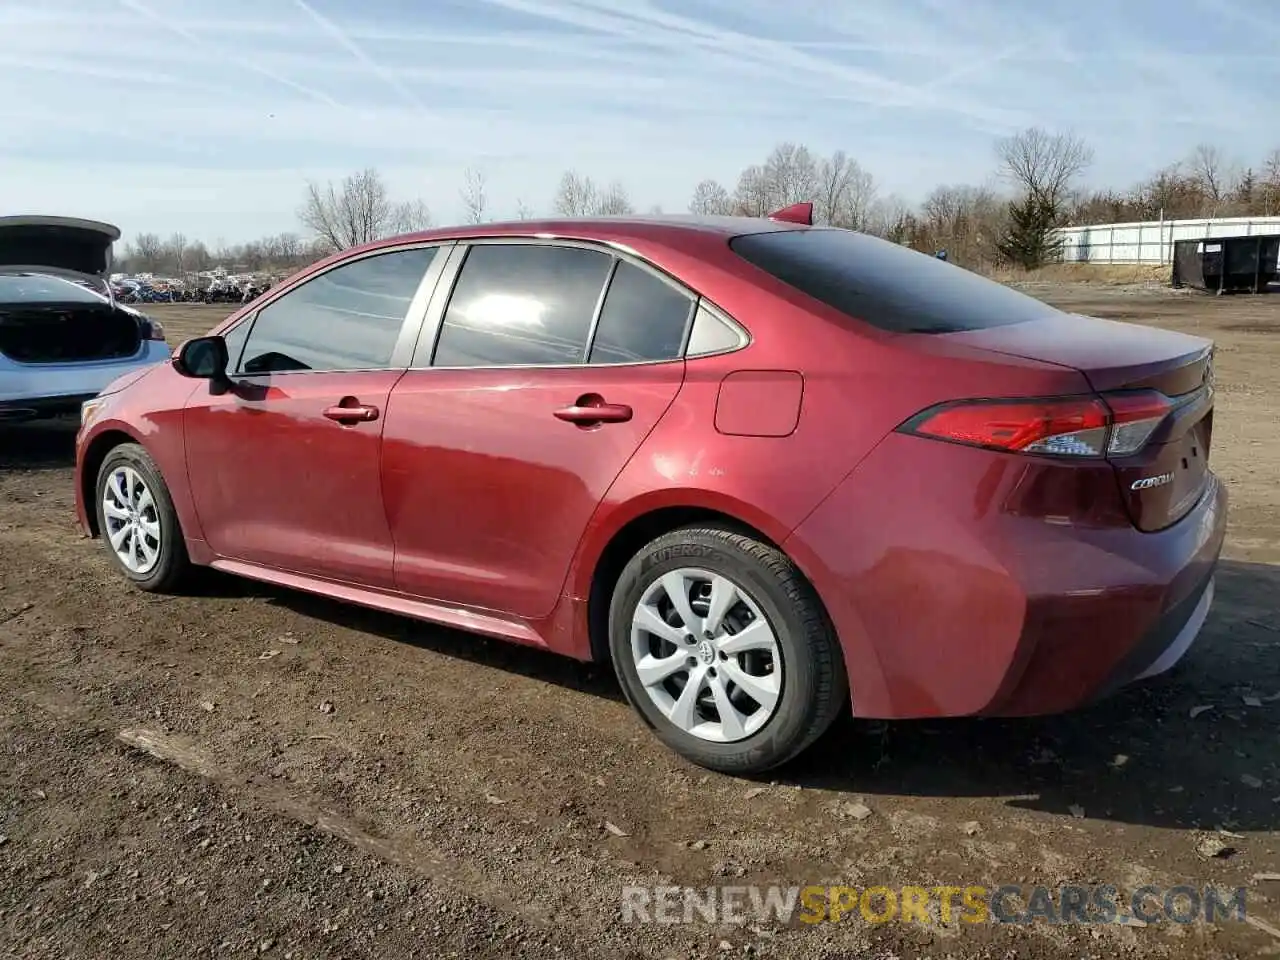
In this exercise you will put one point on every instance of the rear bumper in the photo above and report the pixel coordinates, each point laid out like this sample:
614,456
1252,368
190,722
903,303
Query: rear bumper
953,597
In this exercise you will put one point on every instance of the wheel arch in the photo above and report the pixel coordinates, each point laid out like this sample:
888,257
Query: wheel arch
644,524
91,462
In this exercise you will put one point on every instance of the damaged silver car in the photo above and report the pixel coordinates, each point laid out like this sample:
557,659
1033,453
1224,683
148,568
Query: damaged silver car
63,335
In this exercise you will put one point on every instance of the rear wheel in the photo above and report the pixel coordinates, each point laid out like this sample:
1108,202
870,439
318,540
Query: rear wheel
137,520
724,649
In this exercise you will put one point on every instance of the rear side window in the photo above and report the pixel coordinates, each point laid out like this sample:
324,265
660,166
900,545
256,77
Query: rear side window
643,318
884,284
348,318
522,304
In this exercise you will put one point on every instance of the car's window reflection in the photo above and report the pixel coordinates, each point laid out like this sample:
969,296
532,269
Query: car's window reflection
522,304
346,319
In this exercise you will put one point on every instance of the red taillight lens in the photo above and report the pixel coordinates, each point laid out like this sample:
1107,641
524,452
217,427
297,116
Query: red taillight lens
1071,426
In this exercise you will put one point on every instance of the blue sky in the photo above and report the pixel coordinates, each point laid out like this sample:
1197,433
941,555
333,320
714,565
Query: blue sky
208,116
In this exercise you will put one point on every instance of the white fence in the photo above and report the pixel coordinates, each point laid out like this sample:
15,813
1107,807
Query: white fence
1152,241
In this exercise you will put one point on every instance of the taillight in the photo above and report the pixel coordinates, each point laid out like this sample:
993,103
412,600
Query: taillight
155,330
1116,425
1135,417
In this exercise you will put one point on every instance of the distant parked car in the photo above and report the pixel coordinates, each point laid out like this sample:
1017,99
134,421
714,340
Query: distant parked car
763,469
63,334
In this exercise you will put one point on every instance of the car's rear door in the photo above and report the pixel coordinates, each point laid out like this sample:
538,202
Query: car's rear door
284,465
549,365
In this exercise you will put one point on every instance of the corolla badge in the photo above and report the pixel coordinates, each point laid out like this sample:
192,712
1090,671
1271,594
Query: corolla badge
1146,483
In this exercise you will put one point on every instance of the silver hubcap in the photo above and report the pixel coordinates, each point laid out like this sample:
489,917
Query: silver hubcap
706,655
132,520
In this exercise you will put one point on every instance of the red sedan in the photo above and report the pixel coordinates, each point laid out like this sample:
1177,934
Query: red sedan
764,469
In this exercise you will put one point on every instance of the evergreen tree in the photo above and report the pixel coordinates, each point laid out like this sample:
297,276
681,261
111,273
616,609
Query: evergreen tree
1031,239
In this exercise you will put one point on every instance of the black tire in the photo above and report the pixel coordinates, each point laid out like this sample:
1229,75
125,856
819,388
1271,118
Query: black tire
172,565
814,687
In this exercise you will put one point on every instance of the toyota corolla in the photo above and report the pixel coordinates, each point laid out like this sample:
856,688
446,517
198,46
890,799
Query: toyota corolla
768,471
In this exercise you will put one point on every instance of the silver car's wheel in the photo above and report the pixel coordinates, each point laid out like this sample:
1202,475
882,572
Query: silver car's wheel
133,526
706,655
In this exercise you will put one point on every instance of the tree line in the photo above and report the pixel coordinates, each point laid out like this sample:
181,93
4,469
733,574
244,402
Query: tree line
1008,219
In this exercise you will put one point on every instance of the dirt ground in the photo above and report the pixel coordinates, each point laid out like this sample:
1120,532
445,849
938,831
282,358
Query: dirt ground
335,783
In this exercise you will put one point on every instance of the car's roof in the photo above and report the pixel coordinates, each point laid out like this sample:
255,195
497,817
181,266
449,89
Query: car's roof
606,229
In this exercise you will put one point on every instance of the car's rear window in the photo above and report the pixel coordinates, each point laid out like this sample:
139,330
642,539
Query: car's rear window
886,285
39,288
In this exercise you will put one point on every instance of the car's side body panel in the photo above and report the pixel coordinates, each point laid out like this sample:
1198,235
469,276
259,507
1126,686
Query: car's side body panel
488,492
277,483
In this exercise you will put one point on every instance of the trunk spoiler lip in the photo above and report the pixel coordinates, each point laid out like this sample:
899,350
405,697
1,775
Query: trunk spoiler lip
109,230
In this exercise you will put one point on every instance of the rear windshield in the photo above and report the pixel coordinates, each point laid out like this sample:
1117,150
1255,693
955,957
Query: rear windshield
886,285
41,288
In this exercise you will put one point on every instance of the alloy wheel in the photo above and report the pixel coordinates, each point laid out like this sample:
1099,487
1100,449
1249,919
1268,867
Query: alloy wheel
706,655
132,520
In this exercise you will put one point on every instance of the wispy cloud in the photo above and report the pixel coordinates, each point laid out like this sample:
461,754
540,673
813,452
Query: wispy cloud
375,68
206,115
241,63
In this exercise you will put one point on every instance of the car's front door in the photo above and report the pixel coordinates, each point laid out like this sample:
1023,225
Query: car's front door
552,363
284,466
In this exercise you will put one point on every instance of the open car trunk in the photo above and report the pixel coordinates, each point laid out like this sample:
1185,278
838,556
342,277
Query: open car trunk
55,304
67,332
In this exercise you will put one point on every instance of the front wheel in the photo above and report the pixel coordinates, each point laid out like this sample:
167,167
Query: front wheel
725,650
137,521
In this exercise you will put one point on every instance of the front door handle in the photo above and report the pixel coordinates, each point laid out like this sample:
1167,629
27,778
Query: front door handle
350,410
590,409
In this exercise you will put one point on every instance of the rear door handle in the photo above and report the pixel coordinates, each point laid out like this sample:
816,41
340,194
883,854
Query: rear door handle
350,410
591,409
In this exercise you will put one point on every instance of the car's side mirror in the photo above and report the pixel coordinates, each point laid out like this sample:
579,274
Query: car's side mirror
204,358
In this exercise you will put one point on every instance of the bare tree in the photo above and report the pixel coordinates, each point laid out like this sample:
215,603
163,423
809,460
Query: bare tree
1271,184
711,199
289,246
966,221
844,192
576,195
891,217
791,173
148,251
198,256
1213,173
409,216
1044,164
580,196
473,195
176,252
358,210
753,196
612,201
523,210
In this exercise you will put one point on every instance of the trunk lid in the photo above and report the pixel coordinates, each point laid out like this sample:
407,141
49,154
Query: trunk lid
1164,480
67,244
